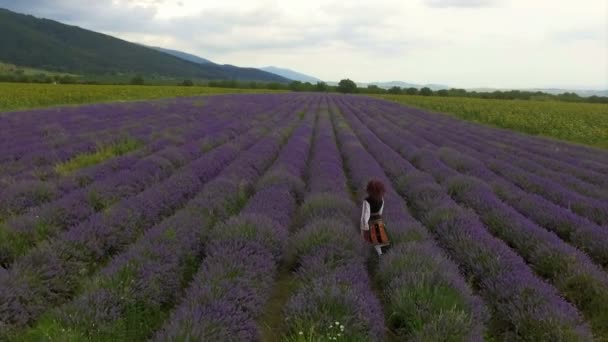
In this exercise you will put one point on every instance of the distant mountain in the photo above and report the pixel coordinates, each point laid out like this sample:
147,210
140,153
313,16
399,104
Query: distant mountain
387,85
46,44
400,84
553,91
183,55
434,87
290,74
580,92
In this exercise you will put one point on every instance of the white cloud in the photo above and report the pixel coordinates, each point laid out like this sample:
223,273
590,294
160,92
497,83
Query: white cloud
464,43
461,3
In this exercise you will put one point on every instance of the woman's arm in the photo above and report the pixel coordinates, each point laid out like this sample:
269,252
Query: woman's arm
365,216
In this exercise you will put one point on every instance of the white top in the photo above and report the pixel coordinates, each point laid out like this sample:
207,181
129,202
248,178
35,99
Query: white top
365,214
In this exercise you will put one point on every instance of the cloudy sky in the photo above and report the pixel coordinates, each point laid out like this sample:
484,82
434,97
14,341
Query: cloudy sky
461,43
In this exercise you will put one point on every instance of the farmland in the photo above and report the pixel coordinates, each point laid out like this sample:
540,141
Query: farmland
26,96
583,123
235,218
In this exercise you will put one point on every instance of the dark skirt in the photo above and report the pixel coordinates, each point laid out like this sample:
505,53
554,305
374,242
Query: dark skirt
376,234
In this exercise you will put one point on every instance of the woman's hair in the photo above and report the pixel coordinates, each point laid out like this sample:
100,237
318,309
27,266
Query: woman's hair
375,189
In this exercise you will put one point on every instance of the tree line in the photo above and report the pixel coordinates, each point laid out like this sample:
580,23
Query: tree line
346,86
350,87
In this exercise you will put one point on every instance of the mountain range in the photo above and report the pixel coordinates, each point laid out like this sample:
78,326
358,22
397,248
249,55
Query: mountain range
400,84
47,44
183,55
290,74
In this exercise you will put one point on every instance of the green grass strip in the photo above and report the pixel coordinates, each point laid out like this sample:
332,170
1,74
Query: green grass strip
20,96
102,154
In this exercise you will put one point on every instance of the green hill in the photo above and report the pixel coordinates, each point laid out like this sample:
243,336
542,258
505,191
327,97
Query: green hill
53,46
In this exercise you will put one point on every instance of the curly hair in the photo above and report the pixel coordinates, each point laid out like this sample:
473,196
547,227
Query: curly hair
375,189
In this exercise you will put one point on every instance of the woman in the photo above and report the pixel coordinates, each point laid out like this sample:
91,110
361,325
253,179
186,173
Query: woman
372,227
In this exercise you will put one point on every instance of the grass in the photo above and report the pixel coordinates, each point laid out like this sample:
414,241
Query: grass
102,154
271,321
19,96
583,123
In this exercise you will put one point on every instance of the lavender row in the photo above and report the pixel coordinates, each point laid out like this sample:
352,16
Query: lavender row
51,273
236,276
564,180
531,164
18,294
426,298
140,122
582,233
22,195
522,305
469,134
162,124
23,232
141,285
475,133
572,272
54,127
593,209
186,130
333,299
577,156
39,160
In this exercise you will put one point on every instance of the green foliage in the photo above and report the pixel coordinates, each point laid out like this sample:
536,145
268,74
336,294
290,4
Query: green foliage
443,92
347,86
321,86
296,86
411,91
437,300
426,91
394,90
102,154
13,73
497,94
189,83
325,205
373,89
24,96
583,123
137,80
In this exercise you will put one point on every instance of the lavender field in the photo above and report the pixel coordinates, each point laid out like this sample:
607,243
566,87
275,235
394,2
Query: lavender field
235,218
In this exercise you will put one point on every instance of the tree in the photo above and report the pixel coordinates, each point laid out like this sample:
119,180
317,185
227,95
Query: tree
187,83
274,86
457,92
374,89
443,92
137,80
296,86
321,86
426,91
347,86
394,90
411,91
